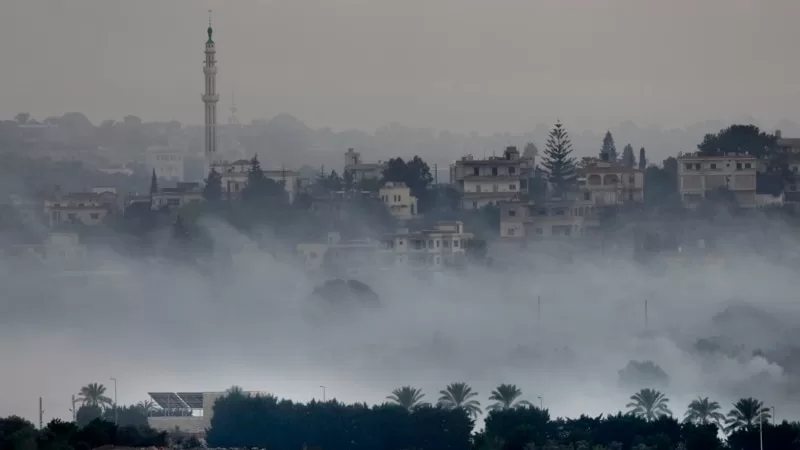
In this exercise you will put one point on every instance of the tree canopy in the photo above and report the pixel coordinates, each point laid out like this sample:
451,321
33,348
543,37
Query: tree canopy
738,139
558,163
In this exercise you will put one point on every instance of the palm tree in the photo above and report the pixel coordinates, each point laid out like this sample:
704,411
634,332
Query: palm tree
460,395
93,394
703,411
649,404
407,397
506,396
146,407
745,413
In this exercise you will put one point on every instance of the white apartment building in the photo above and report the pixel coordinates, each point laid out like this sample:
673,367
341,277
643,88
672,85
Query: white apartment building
177,197
399,201
571,218
443,246
359,169
234,178
492,180
167,162
610,184
697,175
88,208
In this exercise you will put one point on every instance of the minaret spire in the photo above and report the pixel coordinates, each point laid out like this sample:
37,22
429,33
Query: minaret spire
210,99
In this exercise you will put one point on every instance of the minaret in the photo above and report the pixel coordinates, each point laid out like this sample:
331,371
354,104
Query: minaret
210,99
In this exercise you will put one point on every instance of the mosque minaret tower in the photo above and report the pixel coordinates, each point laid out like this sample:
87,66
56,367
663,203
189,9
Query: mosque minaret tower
210,99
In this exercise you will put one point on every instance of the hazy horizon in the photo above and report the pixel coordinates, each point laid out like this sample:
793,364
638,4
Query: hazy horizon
451,65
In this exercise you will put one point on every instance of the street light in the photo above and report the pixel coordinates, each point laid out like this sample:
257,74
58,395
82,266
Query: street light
323,394
116,410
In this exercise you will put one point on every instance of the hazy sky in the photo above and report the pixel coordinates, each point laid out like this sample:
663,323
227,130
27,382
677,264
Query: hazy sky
501,65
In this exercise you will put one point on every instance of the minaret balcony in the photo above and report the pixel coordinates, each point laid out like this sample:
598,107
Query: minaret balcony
210,98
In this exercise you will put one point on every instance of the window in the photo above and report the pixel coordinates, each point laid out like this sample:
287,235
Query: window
494,171
478,188
71,216
512,212
474,205
510,231
512,187
430,243
538,231
495,188
687,166
631,179
746,165
94,216
446,244
697,166
476,171
455,243
713,165
437,243
512,170
587,195
738,166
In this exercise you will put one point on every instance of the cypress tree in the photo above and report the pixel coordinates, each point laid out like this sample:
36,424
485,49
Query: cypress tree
642,159
609,150
212,191
153,183
557,162
628,158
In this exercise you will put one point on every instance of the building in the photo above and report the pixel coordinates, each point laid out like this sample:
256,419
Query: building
177,197
489,181
443,246
343,256
698,174
398,200
359,170
167,162
191,412
234,178
88,208
609,184
571,217
210,99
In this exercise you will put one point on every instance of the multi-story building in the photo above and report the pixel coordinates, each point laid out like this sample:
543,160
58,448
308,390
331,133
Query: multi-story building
88,208
399,201
234,178
492,180
608,184
167,162
358,169
444,246
572,217
698,175
177,197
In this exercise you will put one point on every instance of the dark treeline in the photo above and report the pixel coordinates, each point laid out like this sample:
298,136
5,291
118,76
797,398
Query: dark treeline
510,424
19,434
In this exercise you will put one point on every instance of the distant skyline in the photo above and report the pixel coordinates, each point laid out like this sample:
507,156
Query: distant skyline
458,65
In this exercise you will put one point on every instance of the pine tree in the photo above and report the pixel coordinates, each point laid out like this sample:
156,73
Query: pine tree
212,191
557,162
628,158
153,183
642,159
609,150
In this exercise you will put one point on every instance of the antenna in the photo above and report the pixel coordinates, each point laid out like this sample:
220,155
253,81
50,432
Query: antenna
209,17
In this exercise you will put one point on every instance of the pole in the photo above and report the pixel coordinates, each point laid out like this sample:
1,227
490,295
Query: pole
761,430
41,414
324,399
74,413
116,409
773,416
538,312
541,403
645,315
